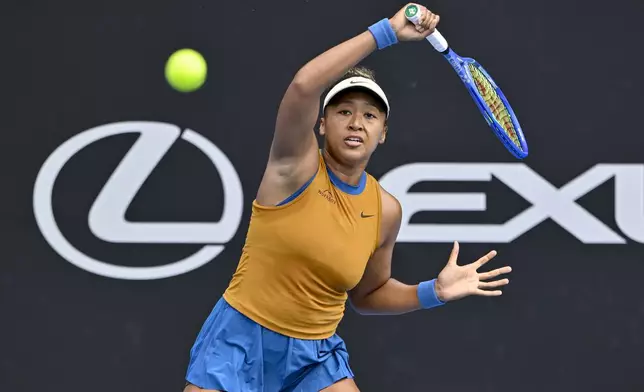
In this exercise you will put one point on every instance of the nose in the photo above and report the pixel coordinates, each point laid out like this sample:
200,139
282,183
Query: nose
356,122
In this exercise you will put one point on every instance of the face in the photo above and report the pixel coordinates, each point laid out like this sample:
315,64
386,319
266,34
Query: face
353,126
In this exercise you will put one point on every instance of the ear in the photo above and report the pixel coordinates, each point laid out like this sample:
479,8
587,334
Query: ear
322,127
383,135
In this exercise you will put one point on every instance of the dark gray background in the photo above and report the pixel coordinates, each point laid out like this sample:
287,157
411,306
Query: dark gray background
572,317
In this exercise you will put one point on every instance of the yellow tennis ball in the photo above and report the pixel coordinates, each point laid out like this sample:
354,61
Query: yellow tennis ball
186,70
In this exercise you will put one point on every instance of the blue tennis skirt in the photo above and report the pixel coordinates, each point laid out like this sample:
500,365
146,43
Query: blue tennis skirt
232,353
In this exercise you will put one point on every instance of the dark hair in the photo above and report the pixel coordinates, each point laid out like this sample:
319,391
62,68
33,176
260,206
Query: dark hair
353,72
359,71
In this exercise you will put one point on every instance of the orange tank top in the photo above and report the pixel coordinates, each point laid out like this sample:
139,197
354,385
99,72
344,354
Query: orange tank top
300,258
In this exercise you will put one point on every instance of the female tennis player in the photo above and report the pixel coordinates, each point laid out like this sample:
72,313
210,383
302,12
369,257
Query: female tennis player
322,231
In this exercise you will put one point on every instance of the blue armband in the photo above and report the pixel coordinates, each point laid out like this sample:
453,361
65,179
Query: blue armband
427,295
383,33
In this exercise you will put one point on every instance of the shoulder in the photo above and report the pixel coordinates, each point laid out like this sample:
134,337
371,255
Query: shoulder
391,208
391,215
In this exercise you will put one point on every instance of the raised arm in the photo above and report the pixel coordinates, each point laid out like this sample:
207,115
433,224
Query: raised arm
293,157
298,111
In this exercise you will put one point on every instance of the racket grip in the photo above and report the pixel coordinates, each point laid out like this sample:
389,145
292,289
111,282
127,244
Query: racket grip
412,13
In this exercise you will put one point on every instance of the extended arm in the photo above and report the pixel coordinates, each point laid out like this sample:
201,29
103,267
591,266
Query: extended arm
379,293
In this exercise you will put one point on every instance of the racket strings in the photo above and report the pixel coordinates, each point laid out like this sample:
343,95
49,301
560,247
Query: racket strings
494,102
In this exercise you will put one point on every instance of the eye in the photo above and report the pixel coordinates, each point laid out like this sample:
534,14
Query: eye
370,116
345,112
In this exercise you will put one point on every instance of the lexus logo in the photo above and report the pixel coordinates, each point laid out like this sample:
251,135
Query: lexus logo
548,202
107,214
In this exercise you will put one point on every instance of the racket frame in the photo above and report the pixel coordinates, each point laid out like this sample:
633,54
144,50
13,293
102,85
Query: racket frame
440,44
460,66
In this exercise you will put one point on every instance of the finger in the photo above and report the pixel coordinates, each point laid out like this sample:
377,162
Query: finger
454,255
494,273
429,31
491,285
429,20
424,15
480,262
484,293
422,23
434,23
421,13
427,17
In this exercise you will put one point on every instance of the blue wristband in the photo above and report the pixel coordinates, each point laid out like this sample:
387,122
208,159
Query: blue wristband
383,33
427,295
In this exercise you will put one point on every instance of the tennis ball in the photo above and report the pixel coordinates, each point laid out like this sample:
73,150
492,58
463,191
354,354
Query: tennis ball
186,70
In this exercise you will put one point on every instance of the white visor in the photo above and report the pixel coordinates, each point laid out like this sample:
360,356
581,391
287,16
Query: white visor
360,82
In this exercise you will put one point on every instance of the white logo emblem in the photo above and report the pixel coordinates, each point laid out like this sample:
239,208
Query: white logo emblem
547,202
107,215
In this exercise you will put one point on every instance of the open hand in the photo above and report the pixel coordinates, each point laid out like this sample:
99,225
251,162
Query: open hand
455,281
407,31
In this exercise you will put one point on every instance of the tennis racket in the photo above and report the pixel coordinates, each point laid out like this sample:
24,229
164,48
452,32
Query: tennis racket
486,94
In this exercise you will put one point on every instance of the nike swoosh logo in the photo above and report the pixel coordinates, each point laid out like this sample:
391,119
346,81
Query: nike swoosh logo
362,215
355,82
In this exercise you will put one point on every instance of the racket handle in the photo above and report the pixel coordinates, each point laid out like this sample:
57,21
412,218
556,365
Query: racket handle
412,13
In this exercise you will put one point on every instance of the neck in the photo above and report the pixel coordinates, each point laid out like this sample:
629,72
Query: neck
347,173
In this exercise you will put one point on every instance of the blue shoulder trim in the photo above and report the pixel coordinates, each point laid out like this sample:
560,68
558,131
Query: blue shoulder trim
297,192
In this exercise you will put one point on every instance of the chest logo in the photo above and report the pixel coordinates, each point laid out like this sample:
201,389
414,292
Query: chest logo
327,195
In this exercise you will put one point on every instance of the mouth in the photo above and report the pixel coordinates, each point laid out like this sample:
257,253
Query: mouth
353,141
